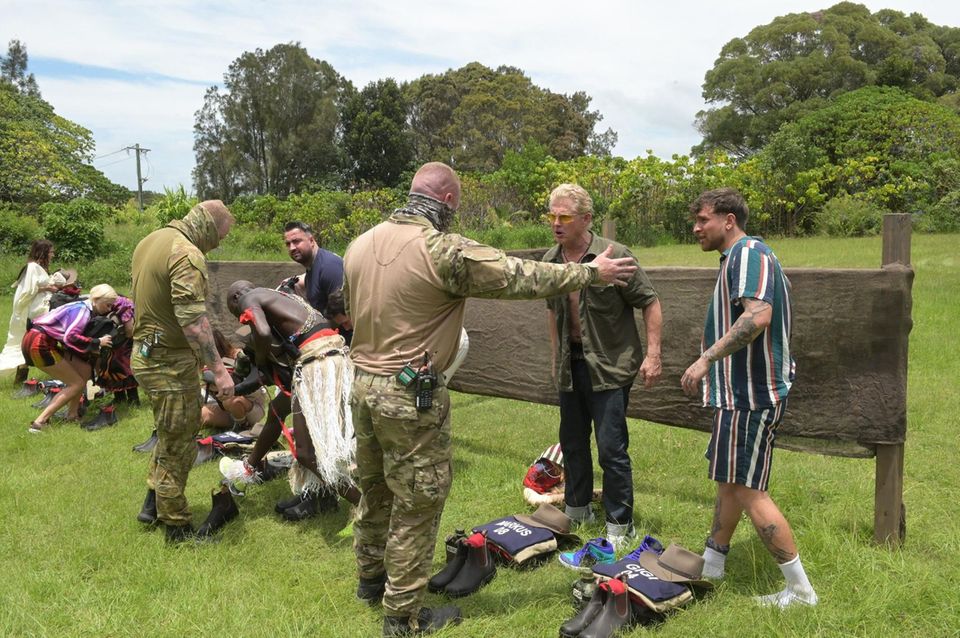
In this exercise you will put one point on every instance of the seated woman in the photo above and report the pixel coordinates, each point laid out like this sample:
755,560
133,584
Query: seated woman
57,345
30,300
238,413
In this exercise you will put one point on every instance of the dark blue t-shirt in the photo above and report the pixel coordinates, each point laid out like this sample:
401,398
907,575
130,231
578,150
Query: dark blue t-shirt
324,277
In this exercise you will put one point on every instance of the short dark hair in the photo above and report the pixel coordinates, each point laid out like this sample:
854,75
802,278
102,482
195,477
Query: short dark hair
724,201
335,305
298,225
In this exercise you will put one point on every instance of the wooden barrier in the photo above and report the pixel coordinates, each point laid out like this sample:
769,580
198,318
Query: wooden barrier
851,333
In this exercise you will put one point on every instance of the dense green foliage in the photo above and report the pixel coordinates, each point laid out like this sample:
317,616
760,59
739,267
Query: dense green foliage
800,62
377,143
272,129
76,228
43,156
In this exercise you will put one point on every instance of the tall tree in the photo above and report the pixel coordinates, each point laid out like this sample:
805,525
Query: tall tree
472,116
800,62
375,134
13,69
274,127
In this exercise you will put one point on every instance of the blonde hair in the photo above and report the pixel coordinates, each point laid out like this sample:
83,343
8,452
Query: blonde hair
577,194
103,291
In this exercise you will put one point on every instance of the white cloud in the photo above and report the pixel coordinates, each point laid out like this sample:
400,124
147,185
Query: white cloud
642,62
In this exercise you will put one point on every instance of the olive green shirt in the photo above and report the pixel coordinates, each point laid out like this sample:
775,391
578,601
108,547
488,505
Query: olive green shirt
169,274
611,343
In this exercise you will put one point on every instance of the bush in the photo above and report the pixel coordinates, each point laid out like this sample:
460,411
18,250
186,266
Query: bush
76,228
943,217
173,205
847,216
16,231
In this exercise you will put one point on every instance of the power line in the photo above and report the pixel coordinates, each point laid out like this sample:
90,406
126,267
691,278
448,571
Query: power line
125,159
108,154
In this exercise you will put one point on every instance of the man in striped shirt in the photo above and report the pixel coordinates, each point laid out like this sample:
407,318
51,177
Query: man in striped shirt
745,372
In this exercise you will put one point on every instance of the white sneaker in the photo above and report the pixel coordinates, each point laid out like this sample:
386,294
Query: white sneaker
787,597
621,536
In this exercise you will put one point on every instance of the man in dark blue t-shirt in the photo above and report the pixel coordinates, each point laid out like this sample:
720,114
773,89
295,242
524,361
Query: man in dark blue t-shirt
324,274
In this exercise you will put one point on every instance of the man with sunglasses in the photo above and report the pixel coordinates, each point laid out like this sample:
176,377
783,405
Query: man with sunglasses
596,356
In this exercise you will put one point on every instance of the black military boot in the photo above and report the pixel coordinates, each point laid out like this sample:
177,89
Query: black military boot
370,590
615,613
148,445
106,417
428,621
442,578
311,503
148,513
578,623
177,534
223,511
478,568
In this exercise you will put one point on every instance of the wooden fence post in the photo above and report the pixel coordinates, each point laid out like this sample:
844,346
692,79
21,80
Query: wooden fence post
609,230
889,511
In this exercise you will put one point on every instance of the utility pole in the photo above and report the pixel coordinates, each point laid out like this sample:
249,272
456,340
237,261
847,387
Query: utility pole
140,180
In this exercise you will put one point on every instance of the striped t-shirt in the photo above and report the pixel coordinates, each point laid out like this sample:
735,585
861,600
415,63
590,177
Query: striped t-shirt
760,375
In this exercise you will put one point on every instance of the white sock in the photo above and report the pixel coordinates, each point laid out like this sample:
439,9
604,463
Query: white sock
714,564
798,589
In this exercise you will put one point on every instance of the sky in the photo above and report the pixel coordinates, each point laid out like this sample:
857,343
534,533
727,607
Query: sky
136,72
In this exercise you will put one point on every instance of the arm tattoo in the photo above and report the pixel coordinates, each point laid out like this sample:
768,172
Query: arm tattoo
716,526
742,333
200,337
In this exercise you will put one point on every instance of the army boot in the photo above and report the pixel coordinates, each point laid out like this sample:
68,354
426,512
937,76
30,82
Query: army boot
370,590
478,568
148,513
223,511
428,621
177,534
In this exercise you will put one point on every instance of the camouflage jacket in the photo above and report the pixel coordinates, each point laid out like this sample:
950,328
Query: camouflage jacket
170,278
405,285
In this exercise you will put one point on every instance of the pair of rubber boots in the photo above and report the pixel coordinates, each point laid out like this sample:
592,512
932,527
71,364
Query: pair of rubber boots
469,569
223,511
608,610
307,504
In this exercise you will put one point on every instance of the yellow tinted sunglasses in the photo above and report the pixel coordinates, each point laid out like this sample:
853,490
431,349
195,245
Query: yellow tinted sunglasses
563,218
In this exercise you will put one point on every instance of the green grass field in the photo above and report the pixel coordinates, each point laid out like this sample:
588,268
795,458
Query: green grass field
76,563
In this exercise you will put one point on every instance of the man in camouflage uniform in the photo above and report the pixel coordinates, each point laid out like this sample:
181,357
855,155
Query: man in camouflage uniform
172,336
406,284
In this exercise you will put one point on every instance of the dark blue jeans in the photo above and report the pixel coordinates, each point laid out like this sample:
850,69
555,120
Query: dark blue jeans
607,412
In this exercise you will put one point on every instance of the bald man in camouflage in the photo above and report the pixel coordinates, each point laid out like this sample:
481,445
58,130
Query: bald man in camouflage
406,283
172,338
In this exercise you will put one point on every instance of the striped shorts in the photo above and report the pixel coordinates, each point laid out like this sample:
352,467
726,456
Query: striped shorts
741,445
39,350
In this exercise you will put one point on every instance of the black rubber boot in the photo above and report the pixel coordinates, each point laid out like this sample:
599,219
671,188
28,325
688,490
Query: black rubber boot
48,396
148,445
148,513
21,374
205,452
223,511
311,504
370,590
478,568
177,534
442,578
428,621
578,623
30,388
287,503
614,614
105,418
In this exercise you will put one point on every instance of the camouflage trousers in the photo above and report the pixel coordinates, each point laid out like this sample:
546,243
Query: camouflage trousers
171,379
404,468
